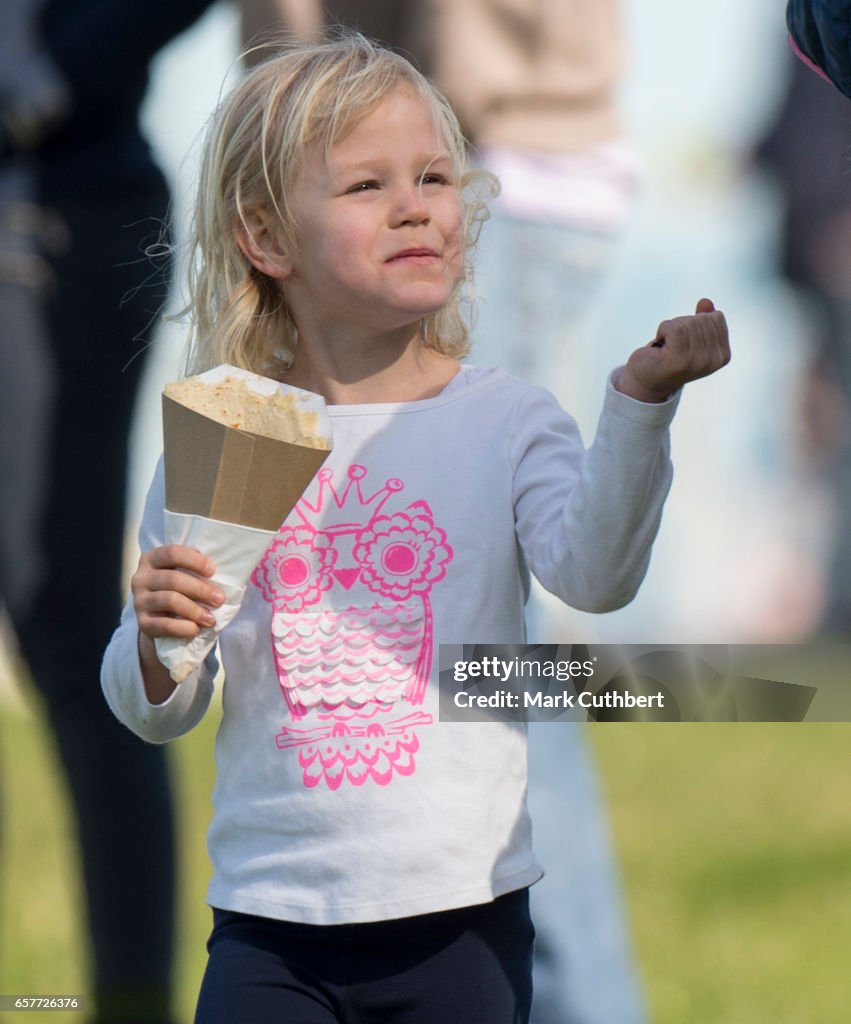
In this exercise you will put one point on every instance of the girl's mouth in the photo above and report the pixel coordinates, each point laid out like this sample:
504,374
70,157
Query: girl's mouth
415,255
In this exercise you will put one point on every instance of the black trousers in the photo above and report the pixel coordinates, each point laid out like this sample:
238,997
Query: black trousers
467,966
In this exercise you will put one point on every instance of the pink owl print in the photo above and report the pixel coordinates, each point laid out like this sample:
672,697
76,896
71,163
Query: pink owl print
349,579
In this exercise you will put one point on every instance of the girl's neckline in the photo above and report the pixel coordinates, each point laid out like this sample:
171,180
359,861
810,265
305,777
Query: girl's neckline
467,379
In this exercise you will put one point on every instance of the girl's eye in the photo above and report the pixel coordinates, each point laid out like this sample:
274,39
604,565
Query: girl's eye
432,178
363,186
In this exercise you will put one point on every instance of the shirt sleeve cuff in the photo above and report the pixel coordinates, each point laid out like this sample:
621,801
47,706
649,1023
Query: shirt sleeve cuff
651,413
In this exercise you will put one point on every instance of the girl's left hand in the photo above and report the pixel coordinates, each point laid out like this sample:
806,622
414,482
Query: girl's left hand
685,348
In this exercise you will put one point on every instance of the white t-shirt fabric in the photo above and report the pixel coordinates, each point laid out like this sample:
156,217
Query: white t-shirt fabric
340,797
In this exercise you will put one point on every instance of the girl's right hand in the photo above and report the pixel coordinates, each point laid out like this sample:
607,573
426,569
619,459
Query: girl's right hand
171,594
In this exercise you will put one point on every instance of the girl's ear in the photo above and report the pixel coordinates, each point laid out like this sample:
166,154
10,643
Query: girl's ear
261,246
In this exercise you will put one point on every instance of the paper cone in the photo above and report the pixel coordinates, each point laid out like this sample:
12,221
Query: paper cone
227,491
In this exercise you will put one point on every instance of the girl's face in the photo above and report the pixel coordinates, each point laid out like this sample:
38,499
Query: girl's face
379,225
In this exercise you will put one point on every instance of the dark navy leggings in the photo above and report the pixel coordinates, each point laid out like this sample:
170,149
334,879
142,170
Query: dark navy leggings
468,966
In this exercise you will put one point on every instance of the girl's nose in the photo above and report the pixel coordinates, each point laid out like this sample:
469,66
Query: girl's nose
410,207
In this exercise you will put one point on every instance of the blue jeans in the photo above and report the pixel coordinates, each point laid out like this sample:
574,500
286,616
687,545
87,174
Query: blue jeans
534,286
535,282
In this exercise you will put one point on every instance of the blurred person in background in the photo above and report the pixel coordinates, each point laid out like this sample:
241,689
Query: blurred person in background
806,151
820,34
74,76
25,366
534,87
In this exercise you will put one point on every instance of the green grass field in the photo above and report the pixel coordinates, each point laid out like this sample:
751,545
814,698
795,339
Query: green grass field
42,944
735,841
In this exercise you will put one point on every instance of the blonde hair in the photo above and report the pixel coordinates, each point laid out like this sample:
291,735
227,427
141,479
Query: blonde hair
301,97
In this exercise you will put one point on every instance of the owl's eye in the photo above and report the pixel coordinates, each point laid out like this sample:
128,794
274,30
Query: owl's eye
293,571
399,559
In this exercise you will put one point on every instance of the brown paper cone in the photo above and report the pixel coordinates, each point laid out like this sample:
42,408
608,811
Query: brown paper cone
232,475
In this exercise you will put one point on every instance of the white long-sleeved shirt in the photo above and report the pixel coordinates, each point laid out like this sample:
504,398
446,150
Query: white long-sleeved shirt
339,795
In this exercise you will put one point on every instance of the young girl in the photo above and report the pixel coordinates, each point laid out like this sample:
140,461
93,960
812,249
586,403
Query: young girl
371,863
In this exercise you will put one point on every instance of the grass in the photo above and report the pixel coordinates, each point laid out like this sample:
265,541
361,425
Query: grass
735,841
39,906
43,946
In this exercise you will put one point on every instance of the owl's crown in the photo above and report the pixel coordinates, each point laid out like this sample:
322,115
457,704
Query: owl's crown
343,512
